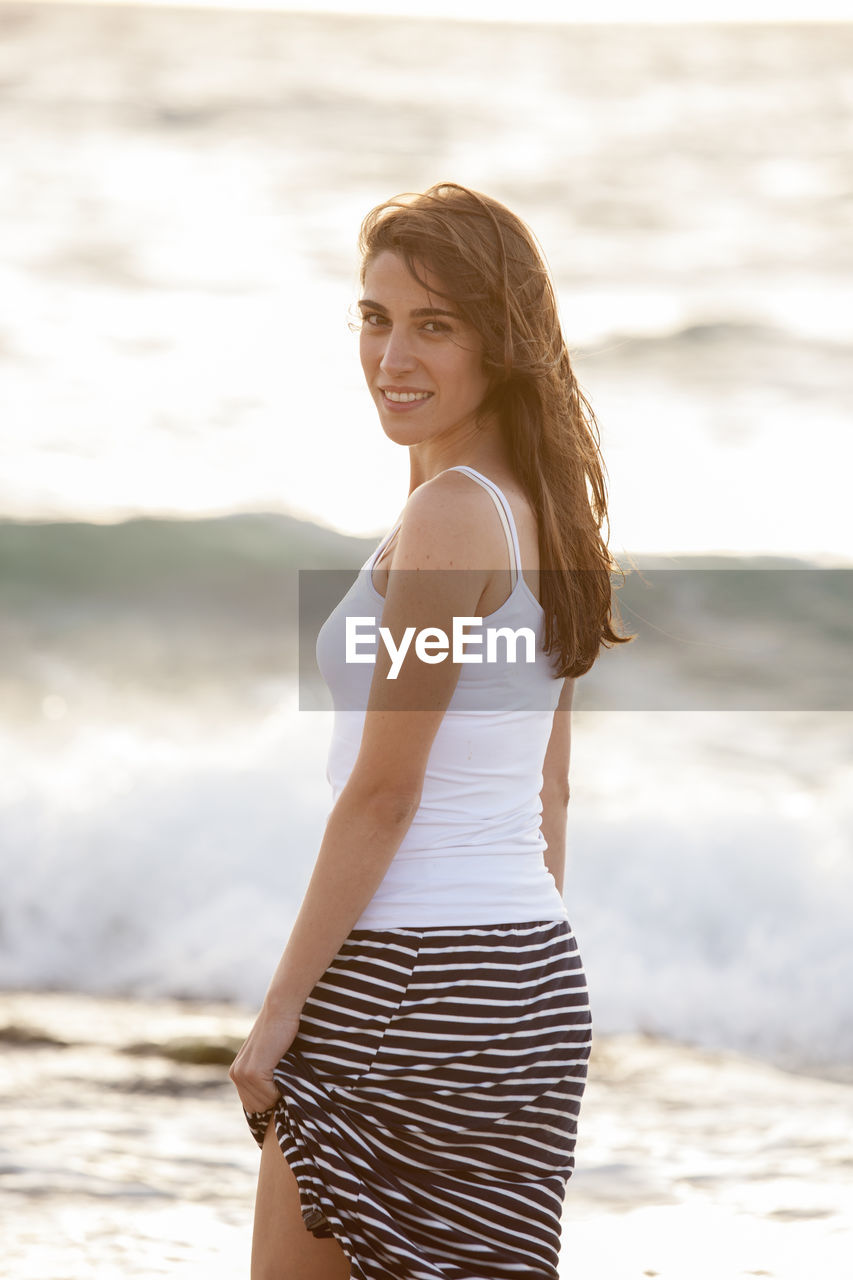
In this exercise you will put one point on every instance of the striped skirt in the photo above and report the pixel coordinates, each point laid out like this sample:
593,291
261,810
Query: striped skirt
429,1102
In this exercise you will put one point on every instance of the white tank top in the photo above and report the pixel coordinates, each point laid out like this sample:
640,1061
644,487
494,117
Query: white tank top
473,853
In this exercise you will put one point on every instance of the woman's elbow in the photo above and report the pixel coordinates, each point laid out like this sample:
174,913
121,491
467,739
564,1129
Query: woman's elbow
390,804
556,792
396,807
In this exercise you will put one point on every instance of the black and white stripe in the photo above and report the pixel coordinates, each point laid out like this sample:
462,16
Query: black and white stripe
430,1100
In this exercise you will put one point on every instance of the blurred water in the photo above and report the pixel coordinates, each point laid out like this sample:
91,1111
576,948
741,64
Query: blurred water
709,881
162,797
180,199
151,1170
182,192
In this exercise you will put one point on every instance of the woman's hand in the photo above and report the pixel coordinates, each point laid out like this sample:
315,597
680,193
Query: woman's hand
252,1069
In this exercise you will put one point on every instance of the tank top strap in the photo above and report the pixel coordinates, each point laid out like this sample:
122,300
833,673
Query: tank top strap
374,556
506,517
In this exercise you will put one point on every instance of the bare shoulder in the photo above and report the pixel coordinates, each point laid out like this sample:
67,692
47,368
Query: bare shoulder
445,524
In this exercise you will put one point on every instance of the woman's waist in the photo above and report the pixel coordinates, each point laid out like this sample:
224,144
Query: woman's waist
466,887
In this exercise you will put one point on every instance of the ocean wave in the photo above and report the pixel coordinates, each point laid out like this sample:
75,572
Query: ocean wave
731,343
709,875
226,600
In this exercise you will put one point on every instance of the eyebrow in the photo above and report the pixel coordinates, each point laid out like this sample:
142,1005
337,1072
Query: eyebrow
418,313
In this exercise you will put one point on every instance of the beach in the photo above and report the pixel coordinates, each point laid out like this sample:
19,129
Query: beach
121,1157
181,199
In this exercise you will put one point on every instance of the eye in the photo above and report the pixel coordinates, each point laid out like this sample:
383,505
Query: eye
436,326
373,319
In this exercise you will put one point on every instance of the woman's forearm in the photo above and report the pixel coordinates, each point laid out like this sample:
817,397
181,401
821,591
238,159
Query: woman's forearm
361,837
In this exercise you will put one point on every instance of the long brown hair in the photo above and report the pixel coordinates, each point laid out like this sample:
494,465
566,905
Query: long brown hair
491,268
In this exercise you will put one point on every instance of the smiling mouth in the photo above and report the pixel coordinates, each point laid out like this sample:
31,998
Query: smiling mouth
405,397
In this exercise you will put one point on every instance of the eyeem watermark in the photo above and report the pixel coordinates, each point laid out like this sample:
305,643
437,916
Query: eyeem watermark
432,644
731,635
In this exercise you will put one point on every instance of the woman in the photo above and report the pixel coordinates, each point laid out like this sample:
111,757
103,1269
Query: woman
415,1073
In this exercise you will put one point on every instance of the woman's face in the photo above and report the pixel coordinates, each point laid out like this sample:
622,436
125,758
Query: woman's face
422,362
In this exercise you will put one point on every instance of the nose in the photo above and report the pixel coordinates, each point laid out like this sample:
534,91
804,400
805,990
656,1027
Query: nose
398,356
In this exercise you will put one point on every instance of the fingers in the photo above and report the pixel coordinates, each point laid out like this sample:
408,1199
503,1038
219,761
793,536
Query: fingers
252,1069
257,1101
256,1092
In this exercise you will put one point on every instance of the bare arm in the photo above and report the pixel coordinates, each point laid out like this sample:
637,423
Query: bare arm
362,834
555,786
378,803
